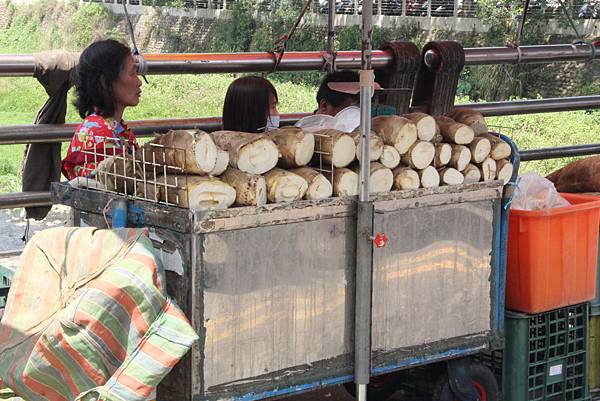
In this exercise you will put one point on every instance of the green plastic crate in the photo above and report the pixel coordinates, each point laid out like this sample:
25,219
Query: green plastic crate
545,356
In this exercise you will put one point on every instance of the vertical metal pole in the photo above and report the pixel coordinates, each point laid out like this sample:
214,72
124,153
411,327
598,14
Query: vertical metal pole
331,31
364,230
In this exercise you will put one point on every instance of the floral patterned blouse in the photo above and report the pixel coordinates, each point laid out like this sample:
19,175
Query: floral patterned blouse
95,137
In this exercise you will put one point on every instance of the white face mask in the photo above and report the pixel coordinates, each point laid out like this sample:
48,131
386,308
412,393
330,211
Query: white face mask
272,123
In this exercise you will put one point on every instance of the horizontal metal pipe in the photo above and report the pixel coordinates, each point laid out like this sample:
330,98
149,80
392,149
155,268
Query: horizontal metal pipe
20,134
522,54
194,63
490,109
24,199
49,133
557,153
205,63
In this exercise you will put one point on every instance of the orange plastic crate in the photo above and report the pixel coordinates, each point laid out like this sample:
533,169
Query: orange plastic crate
552,255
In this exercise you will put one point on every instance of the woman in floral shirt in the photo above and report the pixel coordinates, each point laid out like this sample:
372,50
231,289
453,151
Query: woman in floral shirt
106,82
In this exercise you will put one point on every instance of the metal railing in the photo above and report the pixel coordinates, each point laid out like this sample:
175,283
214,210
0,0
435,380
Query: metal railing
22,65
205,63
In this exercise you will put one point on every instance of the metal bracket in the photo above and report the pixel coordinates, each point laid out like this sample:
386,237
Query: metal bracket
459,379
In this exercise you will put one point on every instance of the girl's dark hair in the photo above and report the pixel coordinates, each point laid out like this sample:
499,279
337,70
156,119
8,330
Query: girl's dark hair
334,98
99,67
246,106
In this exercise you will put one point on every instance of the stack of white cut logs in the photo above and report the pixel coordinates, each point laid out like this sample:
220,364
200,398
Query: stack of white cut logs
228,168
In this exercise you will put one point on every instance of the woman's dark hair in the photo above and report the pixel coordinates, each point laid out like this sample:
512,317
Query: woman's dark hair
99,67
336,99
246,106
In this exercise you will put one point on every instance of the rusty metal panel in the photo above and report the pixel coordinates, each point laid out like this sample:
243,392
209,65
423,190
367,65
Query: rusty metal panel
276,299
433,280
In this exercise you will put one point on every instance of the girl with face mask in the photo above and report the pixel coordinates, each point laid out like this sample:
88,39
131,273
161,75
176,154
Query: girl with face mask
250,106
106,82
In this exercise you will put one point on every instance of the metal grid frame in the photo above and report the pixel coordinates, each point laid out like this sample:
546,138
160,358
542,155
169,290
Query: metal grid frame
139,175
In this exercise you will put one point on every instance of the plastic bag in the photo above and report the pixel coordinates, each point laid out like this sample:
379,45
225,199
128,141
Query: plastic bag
534,192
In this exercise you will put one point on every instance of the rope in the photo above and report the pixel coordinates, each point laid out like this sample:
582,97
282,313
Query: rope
564,8
280,44
522,25
142,66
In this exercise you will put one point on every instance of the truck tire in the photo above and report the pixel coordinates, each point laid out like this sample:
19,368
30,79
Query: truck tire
483,379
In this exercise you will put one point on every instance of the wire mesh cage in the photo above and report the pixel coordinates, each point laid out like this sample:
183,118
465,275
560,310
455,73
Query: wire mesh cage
145,174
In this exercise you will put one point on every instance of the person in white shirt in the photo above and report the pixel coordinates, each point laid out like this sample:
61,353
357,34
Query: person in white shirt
338,96
338,103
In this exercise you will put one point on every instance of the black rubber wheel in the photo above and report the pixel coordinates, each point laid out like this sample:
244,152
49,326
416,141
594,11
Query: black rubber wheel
483,379
380,387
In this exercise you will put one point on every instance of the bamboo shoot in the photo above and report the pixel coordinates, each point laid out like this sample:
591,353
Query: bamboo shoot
472,174
319,186
470,117
390,157
454,132
426,125
504,170
488,169
460,158
395,131
251,153
419,155
429,177
284,186
345,182
296,146
189,151
443,153
376,148
250,189
406,178
500,149
451,176
335,147
480,149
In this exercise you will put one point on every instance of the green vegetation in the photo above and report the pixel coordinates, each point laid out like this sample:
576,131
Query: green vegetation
70,26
